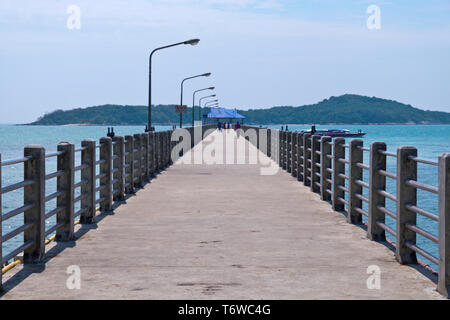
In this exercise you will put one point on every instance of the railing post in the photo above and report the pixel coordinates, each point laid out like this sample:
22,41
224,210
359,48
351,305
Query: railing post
129,171
257,138
294,157
88,174
376,182
444,225
156,151
325,163
142,159
151,141
280,148
274,145
163,149
269,143
119,168
306,159
146,158
338,168
172,143
159,134
34,169
166,146
138,160
106,192
406,169
289,152
300,171
355,173
286,152
315,160
65,183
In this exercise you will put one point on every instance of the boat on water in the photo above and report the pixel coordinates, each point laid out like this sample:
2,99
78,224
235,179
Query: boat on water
334,133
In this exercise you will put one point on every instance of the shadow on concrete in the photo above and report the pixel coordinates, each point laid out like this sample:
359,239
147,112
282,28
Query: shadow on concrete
38,267
421,267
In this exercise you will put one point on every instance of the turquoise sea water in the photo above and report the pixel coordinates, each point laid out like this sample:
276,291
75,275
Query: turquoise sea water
430,140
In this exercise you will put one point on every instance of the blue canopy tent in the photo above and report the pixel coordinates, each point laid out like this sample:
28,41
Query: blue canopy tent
221,113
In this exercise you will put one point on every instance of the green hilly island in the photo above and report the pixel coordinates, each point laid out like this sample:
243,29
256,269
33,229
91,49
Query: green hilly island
345,109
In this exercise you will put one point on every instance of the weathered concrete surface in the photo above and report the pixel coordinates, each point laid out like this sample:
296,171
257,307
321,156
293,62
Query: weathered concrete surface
223,232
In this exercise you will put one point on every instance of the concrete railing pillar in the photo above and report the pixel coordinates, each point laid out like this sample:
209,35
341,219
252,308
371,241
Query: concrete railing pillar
106,191
315,164
65,183
294,158
138,160
444,225
306,159
338,168
289,152
300,153
286,151
129,164
159,152
34,169
282,149
197,139
88,174
355,174
167,146
376,182
145,156
325,164
151,151
257,138
406,169
118,168
274,145
164,148
279,145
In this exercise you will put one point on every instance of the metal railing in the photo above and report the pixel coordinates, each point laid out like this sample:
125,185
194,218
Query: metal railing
108,171
322,164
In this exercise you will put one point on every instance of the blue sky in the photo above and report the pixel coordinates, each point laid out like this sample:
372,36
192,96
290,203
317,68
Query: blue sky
262,53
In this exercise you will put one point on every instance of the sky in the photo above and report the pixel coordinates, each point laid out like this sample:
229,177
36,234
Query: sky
261,53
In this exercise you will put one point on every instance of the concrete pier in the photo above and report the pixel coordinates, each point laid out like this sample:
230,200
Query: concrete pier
220,232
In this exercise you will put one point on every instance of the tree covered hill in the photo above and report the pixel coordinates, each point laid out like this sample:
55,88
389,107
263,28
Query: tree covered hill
346,109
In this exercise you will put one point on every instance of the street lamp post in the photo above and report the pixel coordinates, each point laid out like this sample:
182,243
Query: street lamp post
193,103
212,103
200,104
192,42
207,104
182,83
